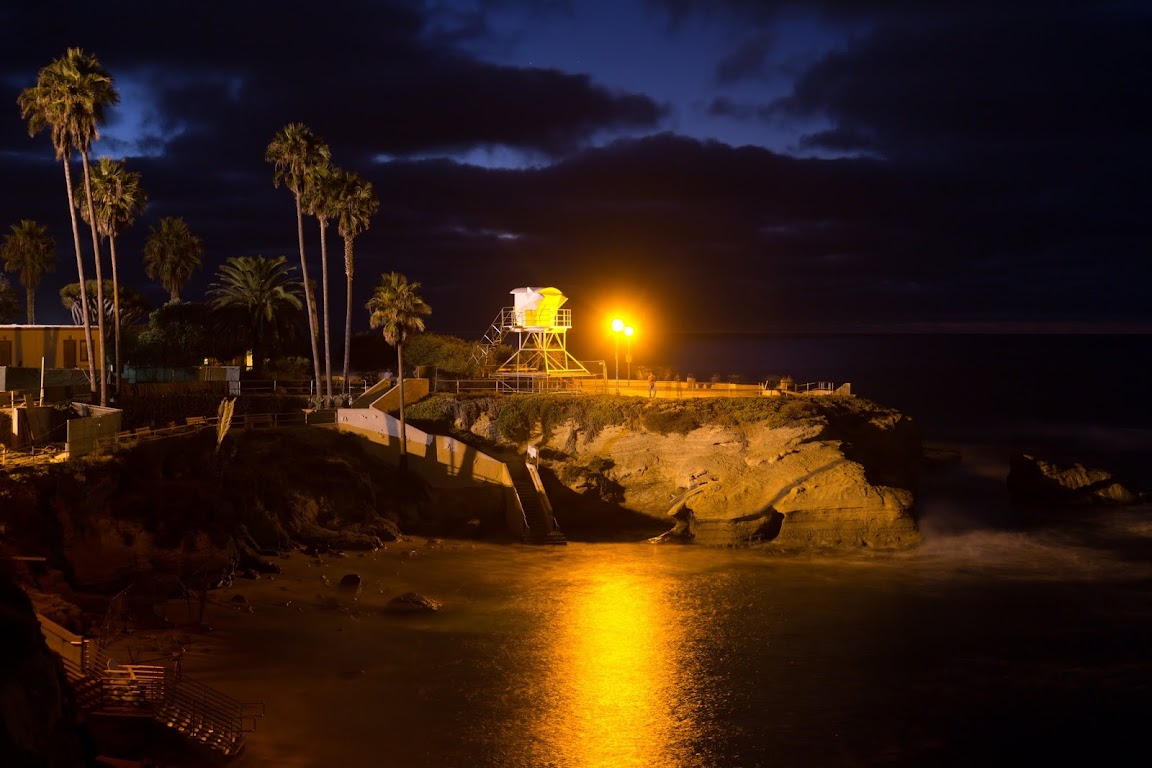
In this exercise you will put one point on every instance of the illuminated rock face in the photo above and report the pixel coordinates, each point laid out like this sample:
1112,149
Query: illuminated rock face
802,487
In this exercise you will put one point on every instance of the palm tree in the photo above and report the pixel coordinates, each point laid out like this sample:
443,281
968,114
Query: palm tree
117,199
31,251
171,254
70,96
296,152
397,307
320,201
133,304
355,204
9,301
263,295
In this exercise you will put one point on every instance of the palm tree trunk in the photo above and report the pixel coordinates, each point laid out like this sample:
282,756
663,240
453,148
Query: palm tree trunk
30,300
403,424
347,311
324,288
308,299
99,279
115,307
80,271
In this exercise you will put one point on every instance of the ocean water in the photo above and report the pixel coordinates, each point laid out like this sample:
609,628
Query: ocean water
985,647
1072,395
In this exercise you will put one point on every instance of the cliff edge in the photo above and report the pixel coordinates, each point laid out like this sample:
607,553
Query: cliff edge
792,473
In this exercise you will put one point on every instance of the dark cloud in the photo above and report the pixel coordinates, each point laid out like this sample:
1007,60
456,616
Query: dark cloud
1003,83
372,72
746,62
991,165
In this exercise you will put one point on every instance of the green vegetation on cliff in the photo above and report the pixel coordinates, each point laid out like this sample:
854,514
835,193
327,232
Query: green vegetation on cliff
514,418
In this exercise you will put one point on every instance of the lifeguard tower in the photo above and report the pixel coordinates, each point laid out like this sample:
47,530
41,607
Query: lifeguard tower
540,323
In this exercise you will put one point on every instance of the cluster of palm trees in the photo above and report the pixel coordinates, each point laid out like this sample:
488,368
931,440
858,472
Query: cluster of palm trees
70,98
303,164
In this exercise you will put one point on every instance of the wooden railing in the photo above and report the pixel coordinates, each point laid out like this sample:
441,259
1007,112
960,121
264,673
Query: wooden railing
246,421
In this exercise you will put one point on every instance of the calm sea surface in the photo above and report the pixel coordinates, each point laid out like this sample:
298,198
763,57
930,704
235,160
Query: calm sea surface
999,642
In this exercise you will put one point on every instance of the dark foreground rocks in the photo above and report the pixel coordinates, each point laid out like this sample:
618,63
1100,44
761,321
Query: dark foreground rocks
178,507
37,708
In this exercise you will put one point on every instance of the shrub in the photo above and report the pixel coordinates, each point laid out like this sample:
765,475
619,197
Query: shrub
664,422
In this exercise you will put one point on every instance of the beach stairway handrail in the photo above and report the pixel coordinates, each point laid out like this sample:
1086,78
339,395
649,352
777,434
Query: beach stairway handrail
205,715
194,710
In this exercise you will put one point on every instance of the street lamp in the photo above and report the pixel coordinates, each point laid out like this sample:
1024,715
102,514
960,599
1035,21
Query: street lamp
628,357
617,327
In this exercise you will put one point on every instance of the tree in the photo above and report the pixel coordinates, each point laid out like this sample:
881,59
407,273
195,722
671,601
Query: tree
319,200
184,333
116,200
264,298
296,152
355,204
30,251
398,309
171,254
9,301
70,97
130,304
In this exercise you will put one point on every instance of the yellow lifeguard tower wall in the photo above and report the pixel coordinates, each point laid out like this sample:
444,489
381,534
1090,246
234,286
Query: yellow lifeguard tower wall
539,309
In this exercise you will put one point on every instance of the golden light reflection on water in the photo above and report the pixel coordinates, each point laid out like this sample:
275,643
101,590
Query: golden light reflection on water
617,692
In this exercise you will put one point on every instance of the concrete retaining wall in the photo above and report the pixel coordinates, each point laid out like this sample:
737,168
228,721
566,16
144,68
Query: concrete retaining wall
442,461
86,430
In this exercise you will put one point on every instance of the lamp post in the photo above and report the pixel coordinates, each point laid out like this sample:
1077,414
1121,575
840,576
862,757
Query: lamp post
617,327
628,331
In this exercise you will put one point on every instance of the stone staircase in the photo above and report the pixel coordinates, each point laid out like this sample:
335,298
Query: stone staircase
542,528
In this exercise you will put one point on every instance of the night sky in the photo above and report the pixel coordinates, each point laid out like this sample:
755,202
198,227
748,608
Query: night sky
700,165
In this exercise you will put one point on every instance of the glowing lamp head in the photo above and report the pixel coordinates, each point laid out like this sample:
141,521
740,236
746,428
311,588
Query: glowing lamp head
628,331
617,325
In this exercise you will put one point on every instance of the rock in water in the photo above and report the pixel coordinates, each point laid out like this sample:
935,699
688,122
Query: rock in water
1036,480
350,581
410,602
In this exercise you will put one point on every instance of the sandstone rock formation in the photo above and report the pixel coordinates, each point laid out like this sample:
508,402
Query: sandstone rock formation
1035,480
801,486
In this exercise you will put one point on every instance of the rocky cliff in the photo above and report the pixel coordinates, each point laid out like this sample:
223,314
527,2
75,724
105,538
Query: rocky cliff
175,506
792,473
